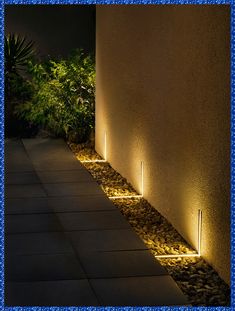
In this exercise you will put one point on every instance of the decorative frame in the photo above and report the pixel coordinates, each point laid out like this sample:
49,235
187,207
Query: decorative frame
70,2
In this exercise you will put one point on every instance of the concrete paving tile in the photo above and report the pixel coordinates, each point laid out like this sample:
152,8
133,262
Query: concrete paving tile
47,177
105,240
21,178
120,264
138,291
39,147
16,158
81,203
43,267
45,145
32,223
69,189
93,220
51,154
58,204
27,205
50,293
24,191
12,168
56,166
37,243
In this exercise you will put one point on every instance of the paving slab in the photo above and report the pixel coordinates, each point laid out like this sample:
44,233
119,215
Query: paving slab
32,223
37,243
50,293
105,240
43,267
21,178
120,264
27,206
66,243
55,166
50,155
47,177
101,220
16,158
24,191
138,291
83,203
58,204
69,189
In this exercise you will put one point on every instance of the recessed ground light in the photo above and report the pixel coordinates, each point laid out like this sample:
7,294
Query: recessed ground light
105,153
198,254
135,196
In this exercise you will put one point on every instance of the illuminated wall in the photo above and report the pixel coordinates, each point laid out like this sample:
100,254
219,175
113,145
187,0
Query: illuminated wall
163,97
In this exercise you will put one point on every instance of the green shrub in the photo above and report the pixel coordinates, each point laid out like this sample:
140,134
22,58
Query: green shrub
20,91
17,52
63,100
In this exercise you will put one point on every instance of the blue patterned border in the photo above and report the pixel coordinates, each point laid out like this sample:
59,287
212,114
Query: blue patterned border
2,153
118,2
69,2
232,31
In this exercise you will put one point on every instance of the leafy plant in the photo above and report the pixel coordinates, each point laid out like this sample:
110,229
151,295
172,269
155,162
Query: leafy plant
17,52
63,96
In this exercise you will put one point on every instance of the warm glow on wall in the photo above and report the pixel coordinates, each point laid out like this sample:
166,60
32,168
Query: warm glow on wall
141,184
105,153
154,110
193,198
198,254
141,195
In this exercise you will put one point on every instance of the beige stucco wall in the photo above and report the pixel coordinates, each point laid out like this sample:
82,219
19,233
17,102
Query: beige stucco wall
163,97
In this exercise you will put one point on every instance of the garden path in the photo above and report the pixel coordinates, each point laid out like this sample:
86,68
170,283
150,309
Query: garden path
66,244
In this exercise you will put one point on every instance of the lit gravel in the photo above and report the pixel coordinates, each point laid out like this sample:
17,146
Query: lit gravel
199,282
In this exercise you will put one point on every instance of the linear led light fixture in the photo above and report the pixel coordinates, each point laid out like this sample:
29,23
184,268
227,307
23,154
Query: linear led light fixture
126,196
198,254
105,153
93,161
135,196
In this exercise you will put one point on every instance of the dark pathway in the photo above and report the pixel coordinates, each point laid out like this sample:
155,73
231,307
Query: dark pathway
66,244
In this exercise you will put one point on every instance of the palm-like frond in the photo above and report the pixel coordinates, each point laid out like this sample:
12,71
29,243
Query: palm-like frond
17,52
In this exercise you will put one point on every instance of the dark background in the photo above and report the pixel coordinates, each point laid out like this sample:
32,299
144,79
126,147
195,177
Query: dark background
55,29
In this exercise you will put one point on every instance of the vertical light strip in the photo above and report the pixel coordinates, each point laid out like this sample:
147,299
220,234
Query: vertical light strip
199,231
105,153
142,178
199,242
141,185
105,146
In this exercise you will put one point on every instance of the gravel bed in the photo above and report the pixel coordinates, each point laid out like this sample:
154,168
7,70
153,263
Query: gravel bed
196,278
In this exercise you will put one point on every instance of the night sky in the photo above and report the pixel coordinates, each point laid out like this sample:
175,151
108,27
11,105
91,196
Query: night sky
55,29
